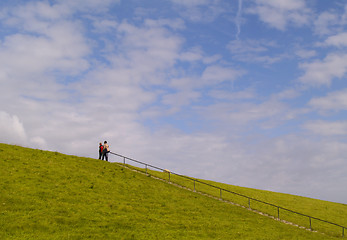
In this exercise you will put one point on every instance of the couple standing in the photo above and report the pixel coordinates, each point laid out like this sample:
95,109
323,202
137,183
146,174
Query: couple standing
104,150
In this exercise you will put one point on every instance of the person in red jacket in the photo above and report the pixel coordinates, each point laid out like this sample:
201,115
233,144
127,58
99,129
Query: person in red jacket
101,148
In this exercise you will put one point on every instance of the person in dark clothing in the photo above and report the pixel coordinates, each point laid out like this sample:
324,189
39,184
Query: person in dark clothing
105,151
101,147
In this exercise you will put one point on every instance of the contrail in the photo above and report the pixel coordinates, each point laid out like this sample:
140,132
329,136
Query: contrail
238,20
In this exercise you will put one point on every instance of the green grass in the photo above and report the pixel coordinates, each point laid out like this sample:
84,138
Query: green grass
48,195
324,210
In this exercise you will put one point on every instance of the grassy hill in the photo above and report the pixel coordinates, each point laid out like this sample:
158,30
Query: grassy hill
323,210
48,195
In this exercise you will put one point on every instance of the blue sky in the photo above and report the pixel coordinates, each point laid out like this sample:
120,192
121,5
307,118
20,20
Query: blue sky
247,92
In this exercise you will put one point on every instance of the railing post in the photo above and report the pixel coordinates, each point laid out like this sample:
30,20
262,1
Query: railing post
146,169
249,203
169,177
310,223
343,231
278,212
220,193
124,161
194,185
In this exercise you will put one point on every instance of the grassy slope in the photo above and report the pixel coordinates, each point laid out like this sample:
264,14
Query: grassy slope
329,211
47,195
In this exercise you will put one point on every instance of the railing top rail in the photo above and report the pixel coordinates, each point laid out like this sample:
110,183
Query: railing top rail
134,160
239,194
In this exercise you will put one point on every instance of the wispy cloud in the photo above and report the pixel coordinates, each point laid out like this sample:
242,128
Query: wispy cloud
278,14
238,19
249,50
339,40
338,128
323,72
333,101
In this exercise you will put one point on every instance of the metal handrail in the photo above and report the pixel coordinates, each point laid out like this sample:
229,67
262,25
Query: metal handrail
235,193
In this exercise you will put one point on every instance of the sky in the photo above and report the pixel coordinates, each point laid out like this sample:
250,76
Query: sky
246,92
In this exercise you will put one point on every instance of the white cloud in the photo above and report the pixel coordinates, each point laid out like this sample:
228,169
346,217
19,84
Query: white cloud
195,54
250,46
112,89
172,23
210,77
88,5
192,55
254,51
306,53
201,10
216,74
180,99
334,101
184,83
104,25
287,94
327,23
323,72
47,42
344,16
188,88
280,13
339,40
34,54
33,15
38,142
283,4
327,128
227,95
11,129
150,48
238,116
190,3
211,59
